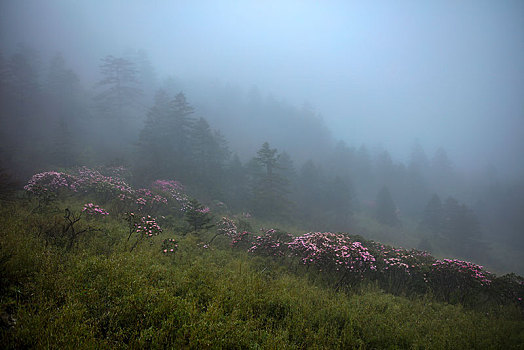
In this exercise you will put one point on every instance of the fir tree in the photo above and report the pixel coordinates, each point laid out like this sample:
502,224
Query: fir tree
270,188
120,84
386,210
433,219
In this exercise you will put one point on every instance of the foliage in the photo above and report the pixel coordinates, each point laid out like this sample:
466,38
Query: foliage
212,299
169,246
142,227
271,243
223,297
198,216
94,210
269,187
333,252
120,83
386,211
7,186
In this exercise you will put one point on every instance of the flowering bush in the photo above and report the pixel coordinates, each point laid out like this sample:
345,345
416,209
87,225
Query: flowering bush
401,270
400,260
333,252
142,227
82,180
241,238
46,186
508,288
457,273
94,210
147,226
144,198
172,190
271,243
228,228
197,215
104,187
457,279
169,246
108,184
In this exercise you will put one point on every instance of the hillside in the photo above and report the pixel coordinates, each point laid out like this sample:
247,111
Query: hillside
89,261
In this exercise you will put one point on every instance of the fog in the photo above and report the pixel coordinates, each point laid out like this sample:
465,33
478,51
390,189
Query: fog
393,76
447,73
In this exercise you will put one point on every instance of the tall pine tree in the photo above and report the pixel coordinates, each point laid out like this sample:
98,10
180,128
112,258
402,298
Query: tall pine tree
386,210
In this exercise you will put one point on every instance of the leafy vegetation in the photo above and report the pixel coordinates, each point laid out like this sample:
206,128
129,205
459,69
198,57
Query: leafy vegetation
141,274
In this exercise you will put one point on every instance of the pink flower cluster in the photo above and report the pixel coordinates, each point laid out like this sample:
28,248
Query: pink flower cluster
94,210
226,227
173,190
50,181
399,259
147,226
464,269
144,197
168,186
203,210
169,246
239,237
332,251
271,243
93,180
82,180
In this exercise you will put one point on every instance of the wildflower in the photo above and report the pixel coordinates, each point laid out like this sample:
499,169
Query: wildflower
94,210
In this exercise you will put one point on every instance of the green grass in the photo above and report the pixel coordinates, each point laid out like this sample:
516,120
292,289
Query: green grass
100,295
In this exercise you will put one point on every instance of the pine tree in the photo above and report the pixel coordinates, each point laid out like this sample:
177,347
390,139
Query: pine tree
120,84
62,83
179,127
209,154
63,147
198,216
155,142
417,173
270,188
338,204
164,147
433,219
461,228
22,80
236,185
386,210
310,195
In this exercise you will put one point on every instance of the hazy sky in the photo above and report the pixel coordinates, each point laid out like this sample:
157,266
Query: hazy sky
449,73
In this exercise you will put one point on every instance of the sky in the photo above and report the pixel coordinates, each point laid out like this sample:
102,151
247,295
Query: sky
446,73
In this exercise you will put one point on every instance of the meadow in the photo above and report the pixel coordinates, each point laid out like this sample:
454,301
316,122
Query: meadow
88,261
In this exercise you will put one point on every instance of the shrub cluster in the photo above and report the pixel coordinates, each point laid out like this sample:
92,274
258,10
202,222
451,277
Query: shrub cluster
397,270
346,258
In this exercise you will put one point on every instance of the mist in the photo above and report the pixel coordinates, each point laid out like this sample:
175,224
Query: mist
336,83
448,74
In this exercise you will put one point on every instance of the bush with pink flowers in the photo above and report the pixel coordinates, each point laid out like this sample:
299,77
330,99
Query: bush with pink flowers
94,210
142,227
272,243
334,252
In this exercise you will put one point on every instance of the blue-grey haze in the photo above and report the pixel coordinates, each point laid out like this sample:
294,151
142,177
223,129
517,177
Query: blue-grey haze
448,73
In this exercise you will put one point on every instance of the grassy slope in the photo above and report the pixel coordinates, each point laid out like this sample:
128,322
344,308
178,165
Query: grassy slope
101,295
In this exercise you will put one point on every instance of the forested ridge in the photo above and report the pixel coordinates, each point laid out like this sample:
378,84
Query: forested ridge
270,159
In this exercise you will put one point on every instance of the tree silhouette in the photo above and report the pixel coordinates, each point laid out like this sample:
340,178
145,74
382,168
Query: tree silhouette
386,210
270,188
120,84
433,217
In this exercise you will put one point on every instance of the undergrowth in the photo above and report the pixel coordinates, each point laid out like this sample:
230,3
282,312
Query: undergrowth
99,294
